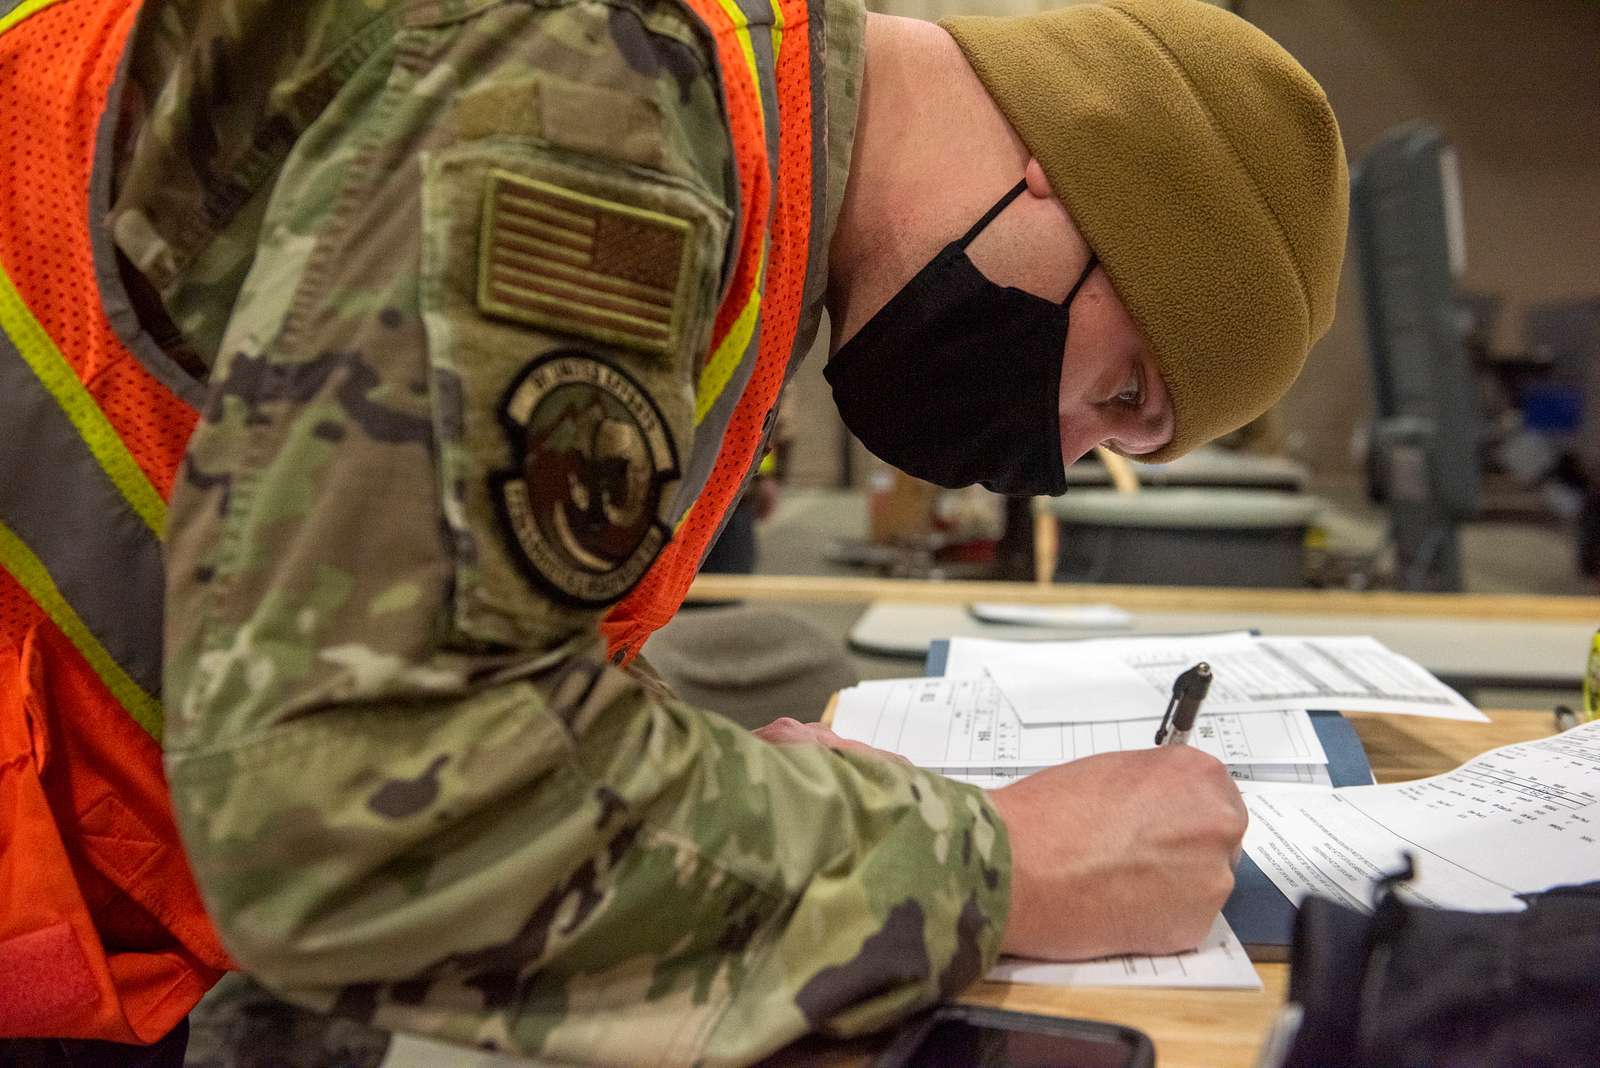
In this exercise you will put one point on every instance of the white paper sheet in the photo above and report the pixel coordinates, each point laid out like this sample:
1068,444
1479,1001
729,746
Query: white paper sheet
967,723
926,719
1219,963
1249,778
1256,777
1514,820
1113,679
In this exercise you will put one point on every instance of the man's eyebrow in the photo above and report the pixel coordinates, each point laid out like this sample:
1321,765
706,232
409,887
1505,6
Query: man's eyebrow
1163,418
1150,370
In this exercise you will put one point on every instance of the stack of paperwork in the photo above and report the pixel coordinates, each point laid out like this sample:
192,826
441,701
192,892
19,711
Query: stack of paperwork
1006,709
1516,820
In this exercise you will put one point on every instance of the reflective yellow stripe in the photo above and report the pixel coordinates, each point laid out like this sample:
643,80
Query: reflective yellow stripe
22,11
58,377
777,32
719,369
31,575
741,26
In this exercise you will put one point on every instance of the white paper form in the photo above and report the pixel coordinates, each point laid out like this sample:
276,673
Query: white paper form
1249,778
1517,819
914,717
1219,963
967,724
1131,678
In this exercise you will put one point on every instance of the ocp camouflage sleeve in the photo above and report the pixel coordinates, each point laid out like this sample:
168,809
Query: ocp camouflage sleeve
411,787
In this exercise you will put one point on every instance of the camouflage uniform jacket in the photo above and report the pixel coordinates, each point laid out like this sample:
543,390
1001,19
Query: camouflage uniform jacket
411,787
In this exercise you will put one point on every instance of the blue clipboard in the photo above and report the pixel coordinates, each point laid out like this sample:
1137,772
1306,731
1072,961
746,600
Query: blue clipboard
1257,911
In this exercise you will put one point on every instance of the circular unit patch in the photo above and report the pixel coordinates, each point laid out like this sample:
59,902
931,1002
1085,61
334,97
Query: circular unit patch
582,510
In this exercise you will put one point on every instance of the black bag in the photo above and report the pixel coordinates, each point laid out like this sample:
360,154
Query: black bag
1409,986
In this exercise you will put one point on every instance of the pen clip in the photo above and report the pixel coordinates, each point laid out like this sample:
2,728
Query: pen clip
1172,704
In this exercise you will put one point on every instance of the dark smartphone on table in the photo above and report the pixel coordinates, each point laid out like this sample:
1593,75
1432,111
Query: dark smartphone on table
971,1036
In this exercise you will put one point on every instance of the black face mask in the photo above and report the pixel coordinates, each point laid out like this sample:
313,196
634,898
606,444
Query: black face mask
955,380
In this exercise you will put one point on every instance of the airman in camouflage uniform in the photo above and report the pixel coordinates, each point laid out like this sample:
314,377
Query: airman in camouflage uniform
451,270
412,788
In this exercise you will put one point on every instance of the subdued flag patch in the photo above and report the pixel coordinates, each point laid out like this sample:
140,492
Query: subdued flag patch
580,264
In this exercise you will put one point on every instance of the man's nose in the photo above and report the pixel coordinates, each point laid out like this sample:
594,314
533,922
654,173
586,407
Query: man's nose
1135,439
1081,434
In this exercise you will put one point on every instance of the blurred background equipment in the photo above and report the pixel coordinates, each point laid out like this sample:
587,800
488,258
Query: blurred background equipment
1216,517
1405,209
1184,537
1566,333
1512,94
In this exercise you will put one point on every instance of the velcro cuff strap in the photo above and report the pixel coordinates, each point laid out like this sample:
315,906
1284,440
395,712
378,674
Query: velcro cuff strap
45,981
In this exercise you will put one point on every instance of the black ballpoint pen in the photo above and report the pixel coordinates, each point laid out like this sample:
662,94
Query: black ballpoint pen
1188,690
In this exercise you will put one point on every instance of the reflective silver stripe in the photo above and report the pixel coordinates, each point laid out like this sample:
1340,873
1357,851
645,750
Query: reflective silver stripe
61,503
759,12
817,261
709,434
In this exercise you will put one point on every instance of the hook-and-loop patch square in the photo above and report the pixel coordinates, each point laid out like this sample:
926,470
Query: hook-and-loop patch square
583,265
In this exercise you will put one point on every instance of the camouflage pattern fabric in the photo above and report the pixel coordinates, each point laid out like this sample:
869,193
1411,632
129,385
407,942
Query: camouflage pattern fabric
240,1024
412,790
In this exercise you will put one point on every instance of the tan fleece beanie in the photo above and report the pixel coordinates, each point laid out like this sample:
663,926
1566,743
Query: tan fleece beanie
1204,167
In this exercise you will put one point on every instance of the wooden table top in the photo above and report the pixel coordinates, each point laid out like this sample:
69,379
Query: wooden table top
1466,651
815,589
1225,1028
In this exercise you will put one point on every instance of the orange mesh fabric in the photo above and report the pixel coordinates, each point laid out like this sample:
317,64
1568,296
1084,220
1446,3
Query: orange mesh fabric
152,422
56,68
18,612
90,844
659,595
102,930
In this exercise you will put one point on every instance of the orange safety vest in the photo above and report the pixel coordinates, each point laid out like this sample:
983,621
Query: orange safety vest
102,931
770,54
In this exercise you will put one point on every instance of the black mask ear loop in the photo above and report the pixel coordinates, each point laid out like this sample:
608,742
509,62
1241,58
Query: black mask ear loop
988,216
1001,205
1094,261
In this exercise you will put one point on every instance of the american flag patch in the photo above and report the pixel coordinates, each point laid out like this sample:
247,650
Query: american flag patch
583,265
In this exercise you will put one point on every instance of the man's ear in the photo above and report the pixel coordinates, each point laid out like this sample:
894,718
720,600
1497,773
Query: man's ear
1038,184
